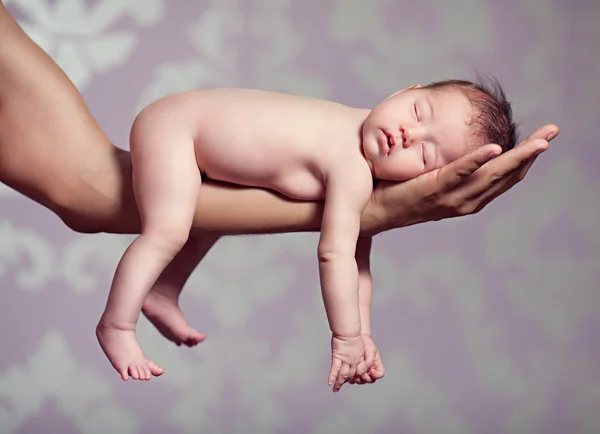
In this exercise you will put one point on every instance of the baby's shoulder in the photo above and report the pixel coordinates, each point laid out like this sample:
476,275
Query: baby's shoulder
351,175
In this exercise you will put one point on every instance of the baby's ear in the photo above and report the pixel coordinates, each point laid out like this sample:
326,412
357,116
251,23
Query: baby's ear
398,92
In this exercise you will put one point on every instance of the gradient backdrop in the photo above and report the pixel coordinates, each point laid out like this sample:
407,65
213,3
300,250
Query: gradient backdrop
487,324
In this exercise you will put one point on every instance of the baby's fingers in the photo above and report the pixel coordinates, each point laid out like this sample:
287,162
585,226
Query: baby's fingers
336,364
361,368
369,358
377,371
343,376
366,378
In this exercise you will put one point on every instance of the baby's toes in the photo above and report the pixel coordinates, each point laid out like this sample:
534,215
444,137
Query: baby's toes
155,369
192,341
123,372
133,370
141,372
147,373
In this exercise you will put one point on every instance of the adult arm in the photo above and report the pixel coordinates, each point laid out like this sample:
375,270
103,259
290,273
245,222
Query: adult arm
53,151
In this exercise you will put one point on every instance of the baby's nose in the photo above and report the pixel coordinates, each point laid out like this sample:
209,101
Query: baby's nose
408,137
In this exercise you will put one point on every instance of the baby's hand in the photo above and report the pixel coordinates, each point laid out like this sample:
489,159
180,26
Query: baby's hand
347,360
373,364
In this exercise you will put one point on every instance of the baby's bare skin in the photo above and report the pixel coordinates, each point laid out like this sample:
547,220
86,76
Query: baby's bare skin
53,152
283,142
252,138
304,148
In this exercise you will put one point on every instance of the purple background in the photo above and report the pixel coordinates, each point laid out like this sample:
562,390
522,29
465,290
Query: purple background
487,324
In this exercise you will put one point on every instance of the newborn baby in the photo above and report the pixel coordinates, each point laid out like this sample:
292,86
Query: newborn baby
304,148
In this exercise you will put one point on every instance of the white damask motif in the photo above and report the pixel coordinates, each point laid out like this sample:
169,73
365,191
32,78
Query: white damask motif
52,372
228,360
400,46
498,371
240,275
302,361
530,381
26,256
219,34
81,37
212,36
557,287
241,372
465,287
89,262
547,35
276,63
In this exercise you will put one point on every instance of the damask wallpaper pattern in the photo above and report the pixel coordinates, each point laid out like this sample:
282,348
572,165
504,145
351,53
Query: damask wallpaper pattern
486,324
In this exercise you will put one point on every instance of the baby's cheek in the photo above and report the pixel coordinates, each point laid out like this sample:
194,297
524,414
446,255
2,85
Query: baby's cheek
414,169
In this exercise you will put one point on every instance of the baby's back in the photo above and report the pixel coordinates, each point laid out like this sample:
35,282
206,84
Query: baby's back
264,139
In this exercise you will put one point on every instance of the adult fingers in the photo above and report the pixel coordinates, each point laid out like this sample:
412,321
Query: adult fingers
454,173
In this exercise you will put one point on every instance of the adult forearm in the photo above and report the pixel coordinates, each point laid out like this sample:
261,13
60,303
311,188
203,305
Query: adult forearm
103,201
223,209
231,210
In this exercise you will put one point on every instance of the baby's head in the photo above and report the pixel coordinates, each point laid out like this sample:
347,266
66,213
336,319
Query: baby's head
419,129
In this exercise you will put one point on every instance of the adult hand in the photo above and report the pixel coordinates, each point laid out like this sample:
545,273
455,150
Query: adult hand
460,188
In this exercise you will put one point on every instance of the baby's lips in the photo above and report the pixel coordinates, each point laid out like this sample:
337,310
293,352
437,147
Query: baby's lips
392,138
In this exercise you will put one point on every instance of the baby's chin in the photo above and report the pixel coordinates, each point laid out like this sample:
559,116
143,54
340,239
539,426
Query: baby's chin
383,173
366,138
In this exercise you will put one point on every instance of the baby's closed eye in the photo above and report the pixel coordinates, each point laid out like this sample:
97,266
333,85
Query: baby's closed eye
416,111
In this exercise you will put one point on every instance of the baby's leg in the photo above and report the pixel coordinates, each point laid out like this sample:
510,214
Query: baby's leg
166,182
161,305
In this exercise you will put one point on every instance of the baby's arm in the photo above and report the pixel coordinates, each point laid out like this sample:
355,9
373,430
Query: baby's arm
373,364
348,191
365,283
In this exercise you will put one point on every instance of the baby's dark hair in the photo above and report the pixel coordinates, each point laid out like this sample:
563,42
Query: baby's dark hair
492,113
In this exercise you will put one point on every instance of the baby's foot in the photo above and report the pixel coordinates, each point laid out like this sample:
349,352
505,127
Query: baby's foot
163,311
125,354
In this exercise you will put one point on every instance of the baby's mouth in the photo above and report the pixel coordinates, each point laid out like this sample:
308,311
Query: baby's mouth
391,141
